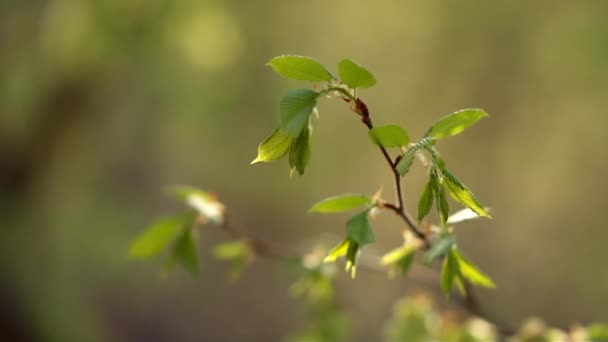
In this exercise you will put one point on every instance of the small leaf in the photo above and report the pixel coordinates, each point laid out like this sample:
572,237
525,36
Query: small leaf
440,248
400,259
405,163
157,237
274,147
295,110
455,123
425,203
470,272
237,252
300,151
461,194
449,273
462,215
443,206
300,68
352,255
359,229
185,251
354,75
340,203
389,136
338,251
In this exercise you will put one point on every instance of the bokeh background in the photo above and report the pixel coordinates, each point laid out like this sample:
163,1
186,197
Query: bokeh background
103,103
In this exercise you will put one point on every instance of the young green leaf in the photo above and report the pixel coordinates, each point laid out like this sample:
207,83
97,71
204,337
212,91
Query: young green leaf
237,252
449,273
354,75
455,123
295,110
338,251
463,195
400,259
300,68
440,248
299,156
359,229
425,203
157,237
443,206
405,163
351,258
185,251
389,136
274,147
340,203
470,272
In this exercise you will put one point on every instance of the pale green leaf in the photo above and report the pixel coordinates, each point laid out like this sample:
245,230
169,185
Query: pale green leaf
425,203
400,259
274,147
352,255
470,272
354,75
455,123
443,206
340,203
389,136
359,229
299,156
295,110
449,272
338,251
231,250
157,237
405,163
441,247
300,68
185,250
463,195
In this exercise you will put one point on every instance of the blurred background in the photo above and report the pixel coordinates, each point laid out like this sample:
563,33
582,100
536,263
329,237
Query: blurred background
104,102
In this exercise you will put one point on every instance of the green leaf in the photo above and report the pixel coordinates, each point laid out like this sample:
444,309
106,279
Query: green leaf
359,229
470,272
425,203
338,251
295,110
405,163
597,332
300,152
340,203
455,123
157,237
443,206
185,251
354,75
440,248
401,259
449,272
274,147
389,136
351,258
237,252
300,68
461,194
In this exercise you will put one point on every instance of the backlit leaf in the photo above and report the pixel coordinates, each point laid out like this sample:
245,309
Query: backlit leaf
300,68
295,110
389,136
354,75
455,123
405,163
470,272
461,194
340,203
274,147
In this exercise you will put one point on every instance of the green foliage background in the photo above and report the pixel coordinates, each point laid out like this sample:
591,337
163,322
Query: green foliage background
102,102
